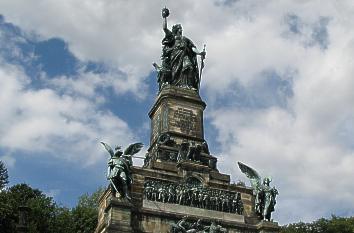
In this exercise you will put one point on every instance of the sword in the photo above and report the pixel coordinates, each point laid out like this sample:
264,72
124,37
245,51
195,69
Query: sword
138,157
201,67
114,185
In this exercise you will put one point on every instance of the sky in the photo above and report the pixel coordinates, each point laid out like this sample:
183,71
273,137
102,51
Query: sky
277,81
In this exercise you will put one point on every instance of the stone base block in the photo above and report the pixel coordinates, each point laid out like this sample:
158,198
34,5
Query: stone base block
116,217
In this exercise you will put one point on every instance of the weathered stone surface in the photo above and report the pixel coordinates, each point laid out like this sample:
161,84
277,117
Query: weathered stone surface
268,227
192,211
178,112
114,214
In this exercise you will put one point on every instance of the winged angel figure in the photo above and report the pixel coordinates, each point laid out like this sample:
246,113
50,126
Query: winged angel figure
265,195
118,172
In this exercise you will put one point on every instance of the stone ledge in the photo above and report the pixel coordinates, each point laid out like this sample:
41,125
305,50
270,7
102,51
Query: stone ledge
268,227
192,211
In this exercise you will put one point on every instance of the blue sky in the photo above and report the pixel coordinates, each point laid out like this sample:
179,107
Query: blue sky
277,83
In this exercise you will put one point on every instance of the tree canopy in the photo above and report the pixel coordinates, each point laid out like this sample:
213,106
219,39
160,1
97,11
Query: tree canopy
333,225
45,215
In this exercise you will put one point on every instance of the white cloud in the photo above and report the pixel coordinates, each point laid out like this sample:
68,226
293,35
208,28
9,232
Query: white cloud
120,33
308,167
89,84
298,145
43,121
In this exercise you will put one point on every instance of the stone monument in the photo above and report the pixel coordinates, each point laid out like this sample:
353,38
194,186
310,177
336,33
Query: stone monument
179,188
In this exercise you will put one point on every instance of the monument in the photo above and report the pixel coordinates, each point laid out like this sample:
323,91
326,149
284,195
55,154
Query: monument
179,188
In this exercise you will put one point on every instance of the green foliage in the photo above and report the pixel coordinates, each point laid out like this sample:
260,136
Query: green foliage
45,215
91,201
62,222
4,177
86,212
333,225
23,195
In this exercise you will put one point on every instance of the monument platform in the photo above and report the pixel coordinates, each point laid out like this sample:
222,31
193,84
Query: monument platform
180,178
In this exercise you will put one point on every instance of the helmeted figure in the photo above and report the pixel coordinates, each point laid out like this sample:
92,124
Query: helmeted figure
118,171
265,195
266,198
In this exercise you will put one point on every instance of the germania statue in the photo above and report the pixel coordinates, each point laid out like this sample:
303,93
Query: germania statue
265,195
179,66
118,172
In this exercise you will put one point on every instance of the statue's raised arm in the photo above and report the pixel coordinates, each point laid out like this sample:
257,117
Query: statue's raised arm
165,14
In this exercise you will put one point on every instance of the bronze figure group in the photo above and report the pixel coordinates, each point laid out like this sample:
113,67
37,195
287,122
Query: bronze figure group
193,196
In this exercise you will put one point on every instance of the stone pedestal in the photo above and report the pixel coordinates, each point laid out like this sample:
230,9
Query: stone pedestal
114,214
179,112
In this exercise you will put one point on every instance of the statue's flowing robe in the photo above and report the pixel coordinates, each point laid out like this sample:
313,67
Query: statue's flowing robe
179,57
183,60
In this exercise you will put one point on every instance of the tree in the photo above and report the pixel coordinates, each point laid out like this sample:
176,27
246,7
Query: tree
322,225
4,177
45,215
85,214
42,209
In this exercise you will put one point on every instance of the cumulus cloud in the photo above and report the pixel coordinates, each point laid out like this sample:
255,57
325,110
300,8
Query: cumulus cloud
298,142
44,121
281,72
120,33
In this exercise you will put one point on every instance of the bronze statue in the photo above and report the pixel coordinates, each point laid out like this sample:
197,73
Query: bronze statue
265,195
119,164
179,65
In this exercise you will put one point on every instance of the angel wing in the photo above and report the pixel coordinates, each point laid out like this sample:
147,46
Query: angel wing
133,148
252,174
108,148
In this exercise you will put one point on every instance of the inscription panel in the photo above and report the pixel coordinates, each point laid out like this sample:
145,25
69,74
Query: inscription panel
186,121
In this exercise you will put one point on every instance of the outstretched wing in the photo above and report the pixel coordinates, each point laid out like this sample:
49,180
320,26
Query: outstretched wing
252,174
108,148
133,148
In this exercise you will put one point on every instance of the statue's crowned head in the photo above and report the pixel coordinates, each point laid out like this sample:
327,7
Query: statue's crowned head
177,29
